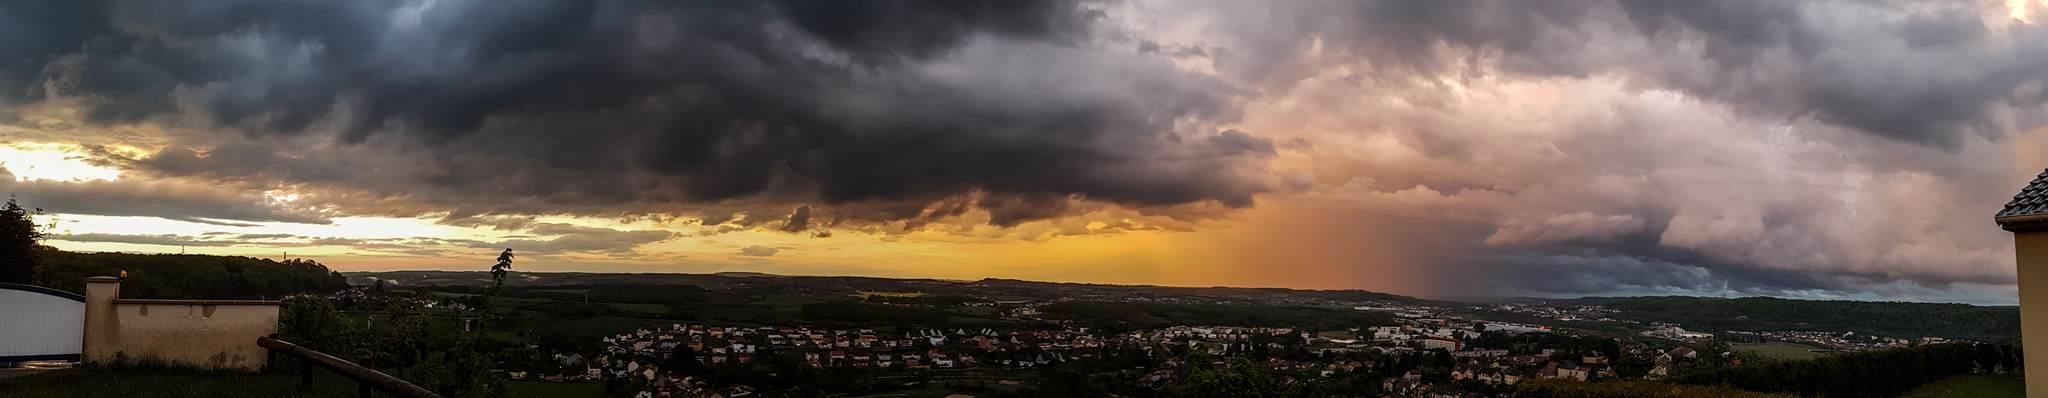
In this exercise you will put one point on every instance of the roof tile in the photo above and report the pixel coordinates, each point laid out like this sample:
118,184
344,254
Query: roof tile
2032,200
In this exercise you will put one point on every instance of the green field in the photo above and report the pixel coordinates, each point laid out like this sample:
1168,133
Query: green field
1973,386
1778,349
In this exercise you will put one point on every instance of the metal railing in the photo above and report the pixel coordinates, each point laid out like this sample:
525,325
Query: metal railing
366,379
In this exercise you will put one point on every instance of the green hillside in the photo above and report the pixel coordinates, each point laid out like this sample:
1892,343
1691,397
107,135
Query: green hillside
1990,324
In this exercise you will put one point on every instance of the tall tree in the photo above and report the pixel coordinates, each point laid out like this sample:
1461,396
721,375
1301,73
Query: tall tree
498,271
18,240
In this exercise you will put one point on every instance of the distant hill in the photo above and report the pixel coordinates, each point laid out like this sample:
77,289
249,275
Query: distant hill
740,274
1896,319
993,288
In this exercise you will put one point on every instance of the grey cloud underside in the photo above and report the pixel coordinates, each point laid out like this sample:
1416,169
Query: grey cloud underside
1638,264
511,107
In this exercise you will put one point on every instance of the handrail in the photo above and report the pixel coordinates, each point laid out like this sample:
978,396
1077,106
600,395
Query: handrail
366,378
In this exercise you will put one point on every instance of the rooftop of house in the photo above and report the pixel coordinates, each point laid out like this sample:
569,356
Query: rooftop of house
2032,200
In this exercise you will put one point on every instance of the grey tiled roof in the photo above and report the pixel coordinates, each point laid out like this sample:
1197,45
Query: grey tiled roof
2031,200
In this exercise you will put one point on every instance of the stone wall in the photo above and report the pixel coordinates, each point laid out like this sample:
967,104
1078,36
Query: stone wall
214,334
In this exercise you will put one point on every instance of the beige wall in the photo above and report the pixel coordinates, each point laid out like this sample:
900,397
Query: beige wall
204,333
2032,248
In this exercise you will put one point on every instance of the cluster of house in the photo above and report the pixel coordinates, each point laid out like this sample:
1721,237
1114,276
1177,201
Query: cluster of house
1496,367
637,354
915,349
368,297
1673,332
1561,312
1212,339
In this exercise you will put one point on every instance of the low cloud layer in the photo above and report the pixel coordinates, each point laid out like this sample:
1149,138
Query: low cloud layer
176,200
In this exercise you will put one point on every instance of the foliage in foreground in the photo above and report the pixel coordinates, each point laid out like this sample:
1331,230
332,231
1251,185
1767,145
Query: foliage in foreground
20,240
1862,374
399,343
1972,386
1629,389
151,381
1993,324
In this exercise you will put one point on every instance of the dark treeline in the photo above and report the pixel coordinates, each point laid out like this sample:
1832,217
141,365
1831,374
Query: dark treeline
596,293
188,276
1992,324
934,300
1863,374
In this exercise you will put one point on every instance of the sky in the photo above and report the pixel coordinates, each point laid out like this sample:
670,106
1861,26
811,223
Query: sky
1551,148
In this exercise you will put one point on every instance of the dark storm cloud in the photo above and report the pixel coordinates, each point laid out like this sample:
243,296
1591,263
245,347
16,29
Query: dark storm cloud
1901,83
799,220
513,106
1571,272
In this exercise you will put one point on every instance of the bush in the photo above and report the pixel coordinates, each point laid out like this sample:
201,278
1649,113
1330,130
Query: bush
400,345
1862,374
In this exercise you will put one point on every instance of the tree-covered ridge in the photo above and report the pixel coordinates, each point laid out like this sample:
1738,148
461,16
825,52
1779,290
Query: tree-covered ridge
188,276
1991,324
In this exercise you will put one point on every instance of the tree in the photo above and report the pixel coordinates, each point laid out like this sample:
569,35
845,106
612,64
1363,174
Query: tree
498,271
19,238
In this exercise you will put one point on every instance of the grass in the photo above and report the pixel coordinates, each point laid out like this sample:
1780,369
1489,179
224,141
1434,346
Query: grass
539,389
1779,349
170,383
1974,386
